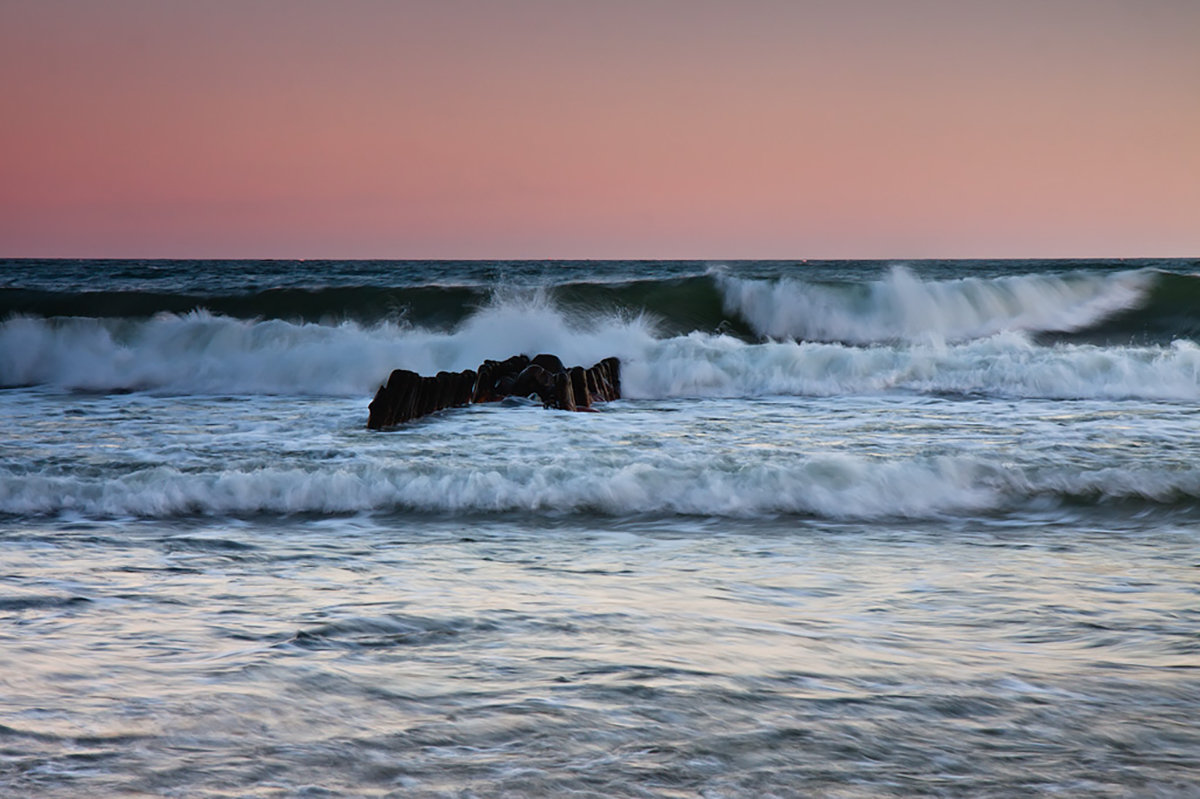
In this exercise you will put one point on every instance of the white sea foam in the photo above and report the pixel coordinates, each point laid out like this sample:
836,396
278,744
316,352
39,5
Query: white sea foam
205,354
196,352
901,306
202,353
828,485
831,485
1007,365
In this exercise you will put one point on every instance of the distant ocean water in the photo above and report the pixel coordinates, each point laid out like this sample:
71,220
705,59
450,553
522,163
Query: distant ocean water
925,528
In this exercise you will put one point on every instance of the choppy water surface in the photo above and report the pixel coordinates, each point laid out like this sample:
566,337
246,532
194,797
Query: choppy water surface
937,535
431,657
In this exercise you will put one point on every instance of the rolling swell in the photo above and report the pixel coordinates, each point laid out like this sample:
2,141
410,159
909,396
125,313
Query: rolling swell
433,306
198,353
1135,306
1171,311
1123,307
831,486
679,305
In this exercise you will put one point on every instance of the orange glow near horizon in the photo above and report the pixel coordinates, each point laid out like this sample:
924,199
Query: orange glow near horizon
539,129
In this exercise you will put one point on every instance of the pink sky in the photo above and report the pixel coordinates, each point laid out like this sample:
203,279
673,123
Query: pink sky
607,129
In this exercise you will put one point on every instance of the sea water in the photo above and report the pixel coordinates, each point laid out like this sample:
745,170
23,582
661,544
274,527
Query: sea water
855,529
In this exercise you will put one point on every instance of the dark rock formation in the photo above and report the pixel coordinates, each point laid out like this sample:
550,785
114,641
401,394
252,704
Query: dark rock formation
551,363
496,377
533,381
407,395
606,379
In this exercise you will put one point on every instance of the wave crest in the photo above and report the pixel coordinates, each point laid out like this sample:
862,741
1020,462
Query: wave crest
835,486
1005,365
201,353
902,307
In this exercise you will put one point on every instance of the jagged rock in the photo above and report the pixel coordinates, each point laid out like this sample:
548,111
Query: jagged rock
407,395
564,394
496,377
581,397
607,378
551,363
534,380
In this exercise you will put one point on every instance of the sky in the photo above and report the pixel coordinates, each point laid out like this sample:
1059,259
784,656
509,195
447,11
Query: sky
607,129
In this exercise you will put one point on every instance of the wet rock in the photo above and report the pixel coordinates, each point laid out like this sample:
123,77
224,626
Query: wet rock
534,380
564,397
407,395
496,378
581,397
551,363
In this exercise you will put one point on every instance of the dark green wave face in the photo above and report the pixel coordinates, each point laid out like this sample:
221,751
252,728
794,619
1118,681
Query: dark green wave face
1171,311
860,303
432,306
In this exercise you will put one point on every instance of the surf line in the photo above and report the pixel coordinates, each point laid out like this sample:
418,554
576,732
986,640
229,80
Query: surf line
408,395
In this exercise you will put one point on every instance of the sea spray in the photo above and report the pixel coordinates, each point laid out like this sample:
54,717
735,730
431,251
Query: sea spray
836,486
1004,365
901,306
956,556
202,353
830,485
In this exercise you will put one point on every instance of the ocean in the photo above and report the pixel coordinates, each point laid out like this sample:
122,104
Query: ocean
854,529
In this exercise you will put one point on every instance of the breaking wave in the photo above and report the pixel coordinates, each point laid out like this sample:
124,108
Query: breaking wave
206,354
1112,307
903,307
828,486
